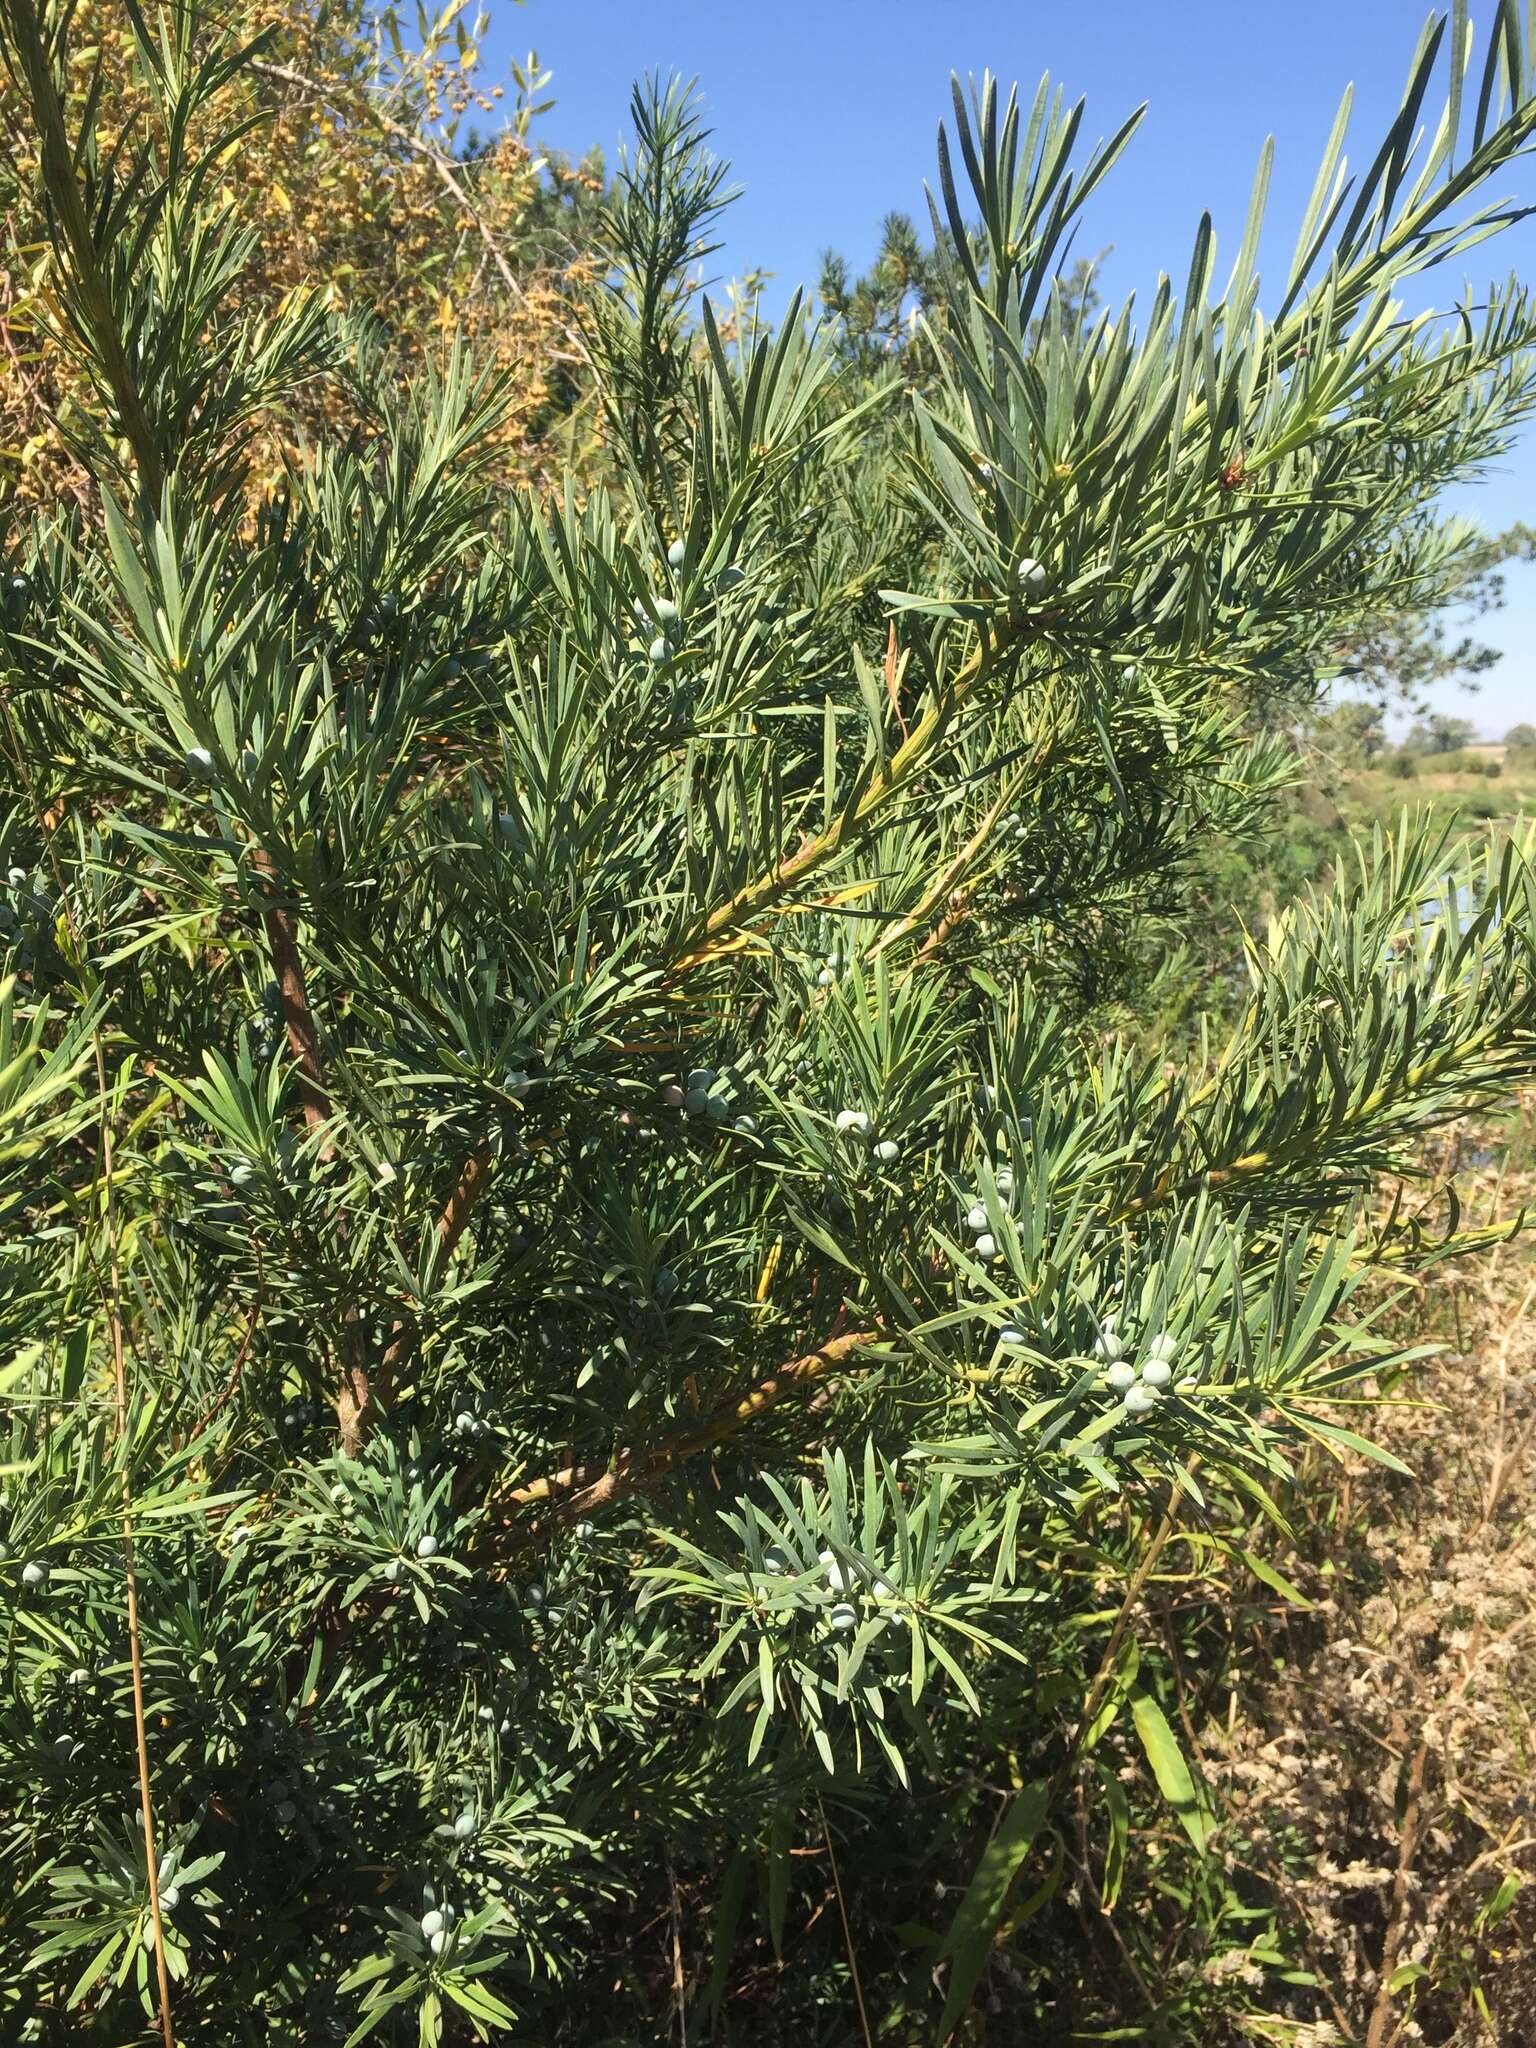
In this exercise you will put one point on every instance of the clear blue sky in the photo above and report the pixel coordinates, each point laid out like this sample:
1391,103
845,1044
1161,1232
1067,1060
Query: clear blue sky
828,113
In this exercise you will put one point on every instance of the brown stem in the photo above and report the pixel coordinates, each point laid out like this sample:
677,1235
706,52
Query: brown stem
361,1398
298,1018
356,1400
578,1489
361,1405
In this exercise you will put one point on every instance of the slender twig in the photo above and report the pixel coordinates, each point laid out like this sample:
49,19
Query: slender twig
356,1397
238,1367
418,145
946,882
1106,1671
1502,1463
719,927
451,1224
1104,1678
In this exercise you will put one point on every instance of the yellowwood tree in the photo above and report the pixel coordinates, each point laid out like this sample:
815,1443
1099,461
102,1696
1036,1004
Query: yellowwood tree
587,1302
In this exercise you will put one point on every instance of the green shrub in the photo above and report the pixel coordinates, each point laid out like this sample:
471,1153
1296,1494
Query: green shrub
1402,764
579,1238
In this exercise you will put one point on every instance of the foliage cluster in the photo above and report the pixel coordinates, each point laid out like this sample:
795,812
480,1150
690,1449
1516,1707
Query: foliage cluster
347,160
592,1312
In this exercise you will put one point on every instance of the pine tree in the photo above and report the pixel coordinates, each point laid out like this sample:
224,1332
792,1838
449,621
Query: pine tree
588,1299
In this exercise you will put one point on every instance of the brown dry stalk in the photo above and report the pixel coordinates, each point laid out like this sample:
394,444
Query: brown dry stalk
1505,1462
120,1407
679,1980
130,1576
893,677
842,1907
1410,1831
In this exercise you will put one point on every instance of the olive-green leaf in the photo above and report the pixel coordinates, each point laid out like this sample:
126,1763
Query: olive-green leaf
1169,1767
968,1943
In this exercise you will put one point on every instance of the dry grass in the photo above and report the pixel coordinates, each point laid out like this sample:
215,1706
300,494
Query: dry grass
1381,1763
